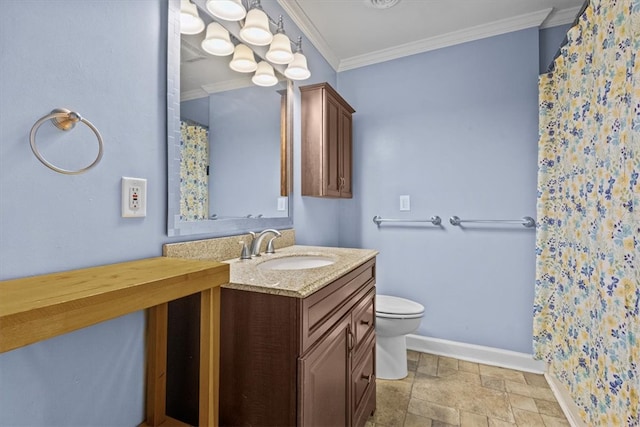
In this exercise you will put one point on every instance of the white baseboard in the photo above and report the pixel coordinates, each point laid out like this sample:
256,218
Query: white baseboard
476,353
569,407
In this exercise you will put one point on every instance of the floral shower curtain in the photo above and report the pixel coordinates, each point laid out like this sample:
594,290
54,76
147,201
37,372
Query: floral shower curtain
194,178
586,312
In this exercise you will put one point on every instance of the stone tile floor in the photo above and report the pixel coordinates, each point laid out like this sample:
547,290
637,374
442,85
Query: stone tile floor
441,392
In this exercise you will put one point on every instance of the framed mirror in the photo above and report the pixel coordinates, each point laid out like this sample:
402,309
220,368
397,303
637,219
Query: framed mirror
228,143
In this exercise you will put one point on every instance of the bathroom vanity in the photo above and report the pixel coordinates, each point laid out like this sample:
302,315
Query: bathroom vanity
302,356
297,346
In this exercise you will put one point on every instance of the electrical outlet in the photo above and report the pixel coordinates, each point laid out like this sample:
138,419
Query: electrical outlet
405,203
134,197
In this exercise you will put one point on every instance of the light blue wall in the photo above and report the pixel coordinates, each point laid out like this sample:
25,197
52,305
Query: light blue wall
456,129
245,152
196,110
550,41
105,59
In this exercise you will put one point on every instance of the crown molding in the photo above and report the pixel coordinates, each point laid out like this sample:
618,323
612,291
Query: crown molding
491,29
545,18
303,22
227,85
192,94
561,17
208,89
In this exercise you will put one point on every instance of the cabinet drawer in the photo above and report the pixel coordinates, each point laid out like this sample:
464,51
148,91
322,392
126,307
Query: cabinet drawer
363,383
321,310
364,318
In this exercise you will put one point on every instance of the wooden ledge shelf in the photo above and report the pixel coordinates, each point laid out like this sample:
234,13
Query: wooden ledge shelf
36,308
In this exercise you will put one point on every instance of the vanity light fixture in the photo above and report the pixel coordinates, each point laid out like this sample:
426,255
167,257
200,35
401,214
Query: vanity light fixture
280,50
256,27
190,21
298,69
264,75
217,41
229,10
255,30
243,60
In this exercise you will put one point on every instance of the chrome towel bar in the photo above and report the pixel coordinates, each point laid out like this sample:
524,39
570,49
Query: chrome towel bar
435,220
526,221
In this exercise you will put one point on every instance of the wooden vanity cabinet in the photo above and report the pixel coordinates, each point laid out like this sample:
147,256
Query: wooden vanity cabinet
324,378
326,142
289,361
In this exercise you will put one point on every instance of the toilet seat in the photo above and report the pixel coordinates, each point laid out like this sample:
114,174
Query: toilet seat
397,308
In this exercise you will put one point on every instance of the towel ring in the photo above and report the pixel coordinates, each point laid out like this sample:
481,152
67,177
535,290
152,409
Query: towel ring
65,120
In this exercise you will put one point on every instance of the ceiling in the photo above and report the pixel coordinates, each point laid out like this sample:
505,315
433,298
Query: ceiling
352,33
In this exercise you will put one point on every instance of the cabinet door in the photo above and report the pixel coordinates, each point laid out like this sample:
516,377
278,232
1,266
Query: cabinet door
332,168
345,153
324,386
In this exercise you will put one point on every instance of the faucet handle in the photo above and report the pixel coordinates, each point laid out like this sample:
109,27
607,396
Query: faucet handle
270,249
245,254
253,243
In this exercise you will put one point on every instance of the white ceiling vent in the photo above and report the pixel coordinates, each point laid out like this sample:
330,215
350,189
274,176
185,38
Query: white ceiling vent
381,4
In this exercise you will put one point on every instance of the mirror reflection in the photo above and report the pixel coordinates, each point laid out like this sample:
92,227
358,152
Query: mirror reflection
229,159
231,140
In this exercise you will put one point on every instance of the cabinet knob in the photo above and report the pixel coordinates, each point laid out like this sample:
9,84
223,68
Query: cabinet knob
369,377
351,339
365,322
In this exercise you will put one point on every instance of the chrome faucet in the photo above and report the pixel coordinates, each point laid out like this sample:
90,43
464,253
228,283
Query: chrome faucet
257,241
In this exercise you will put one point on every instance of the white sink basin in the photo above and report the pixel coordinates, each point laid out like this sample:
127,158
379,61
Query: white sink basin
296,262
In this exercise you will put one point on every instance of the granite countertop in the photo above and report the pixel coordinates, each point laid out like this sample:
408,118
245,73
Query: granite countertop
247,276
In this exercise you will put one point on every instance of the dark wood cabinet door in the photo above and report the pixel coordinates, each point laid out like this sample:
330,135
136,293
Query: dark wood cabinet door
325,395
345,148
333,156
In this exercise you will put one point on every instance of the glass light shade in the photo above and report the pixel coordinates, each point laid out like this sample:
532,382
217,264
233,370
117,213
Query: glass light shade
297,69
229,10
280,49
190,21
243,60
264,75
217,41
256,28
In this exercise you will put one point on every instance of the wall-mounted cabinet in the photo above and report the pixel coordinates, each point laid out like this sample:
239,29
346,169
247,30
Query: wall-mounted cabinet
326,142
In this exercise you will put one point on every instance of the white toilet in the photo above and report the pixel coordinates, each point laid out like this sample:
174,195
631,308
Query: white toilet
395,318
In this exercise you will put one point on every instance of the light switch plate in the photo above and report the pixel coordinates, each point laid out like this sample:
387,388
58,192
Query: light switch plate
282,203
405,203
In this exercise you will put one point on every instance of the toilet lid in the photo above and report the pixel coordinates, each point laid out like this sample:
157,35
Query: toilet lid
396,305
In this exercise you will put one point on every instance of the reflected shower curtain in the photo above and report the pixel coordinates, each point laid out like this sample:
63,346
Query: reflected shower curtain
586,319
194,180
